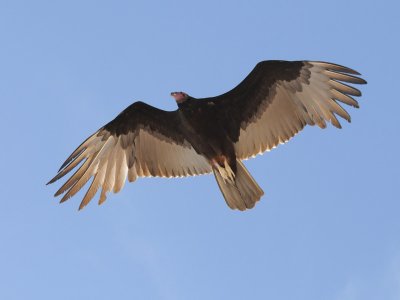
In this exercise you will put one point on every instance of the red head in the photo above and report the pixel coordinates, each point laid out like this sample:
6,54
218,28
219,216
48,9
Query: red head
180,97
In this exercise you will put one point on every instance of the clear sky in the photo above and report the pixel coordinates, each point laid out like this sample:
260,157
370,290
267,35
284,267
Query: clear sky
328,226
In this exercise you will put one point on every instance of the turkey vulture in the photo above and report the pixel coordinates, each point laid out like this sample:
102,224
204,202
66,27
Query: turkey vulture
271,105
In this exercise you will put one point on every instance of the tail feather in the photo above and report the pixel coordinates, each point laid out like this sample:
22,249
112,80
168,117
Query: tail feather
241,191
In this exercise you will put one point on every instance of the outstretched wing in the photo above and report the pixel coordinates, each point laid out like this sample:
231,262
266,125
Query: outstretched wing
141,141
278,98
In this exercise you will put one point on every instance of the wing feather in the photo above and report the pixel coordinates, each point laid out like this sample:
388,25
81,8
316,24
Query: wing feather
336,95
95,185
121,170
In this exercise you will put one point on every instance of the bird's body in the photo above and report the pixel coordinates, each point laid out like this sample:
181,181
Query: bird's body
272,104
209,139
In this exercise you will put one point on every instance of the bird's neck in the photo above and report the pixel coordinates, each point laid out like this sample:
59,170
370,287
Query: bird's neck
187,103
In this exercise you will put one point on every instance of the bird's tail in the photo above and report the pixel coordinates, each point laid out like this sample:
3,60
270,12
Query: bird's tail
240,190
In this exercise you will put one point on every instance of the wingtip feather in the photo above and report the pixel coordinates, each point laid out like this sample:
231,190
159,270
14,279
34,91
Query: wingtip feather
335,67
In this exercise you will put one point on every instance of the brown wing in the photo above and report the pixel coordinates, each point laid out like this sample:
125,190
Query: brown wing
142,141
278,98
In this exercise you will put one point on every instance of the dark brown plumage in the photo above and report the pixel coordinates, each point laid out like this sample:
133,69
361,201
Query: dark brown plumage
272,104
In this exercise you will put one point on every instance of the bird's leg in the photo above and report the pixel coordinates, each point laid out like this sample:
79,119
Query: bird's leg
229,170
222,165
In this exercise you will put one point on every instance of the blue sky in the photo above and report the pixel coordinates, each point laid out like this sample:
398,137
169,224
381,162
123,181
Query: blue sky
328,226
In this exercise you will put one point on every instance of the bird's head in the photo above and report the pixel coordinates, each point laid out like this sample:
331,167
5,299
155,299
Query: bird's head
180,97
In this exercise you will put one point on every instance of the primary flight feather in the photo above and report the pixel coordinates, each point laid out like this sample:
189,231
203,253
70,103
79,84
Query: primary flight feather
271,105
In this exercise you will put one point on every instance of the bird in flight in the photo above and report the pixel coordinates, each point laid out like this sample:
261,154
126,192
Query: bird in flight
212,135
